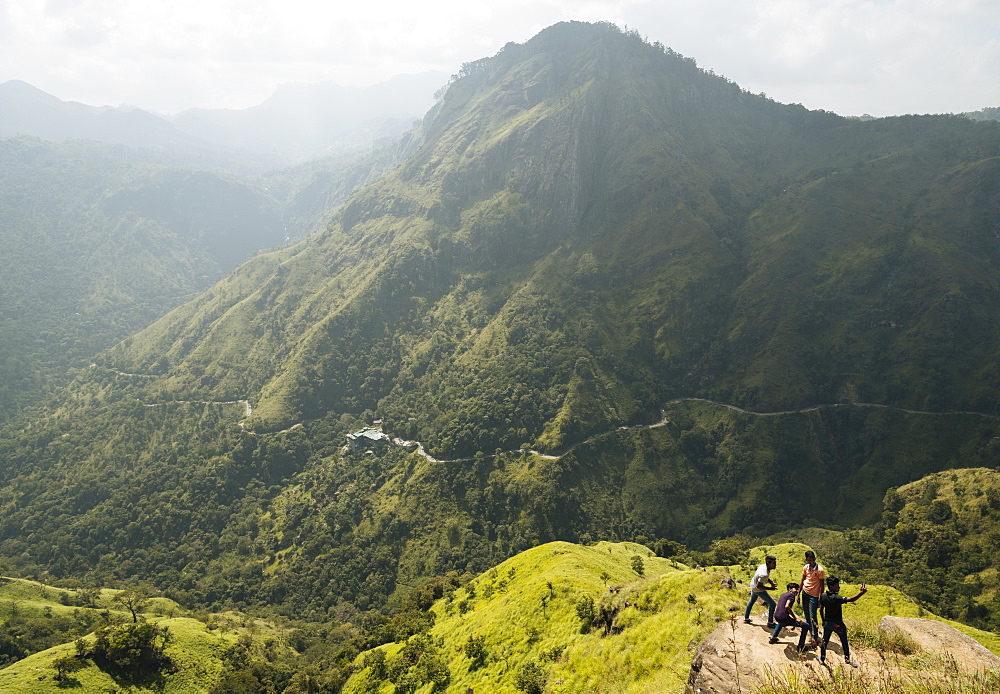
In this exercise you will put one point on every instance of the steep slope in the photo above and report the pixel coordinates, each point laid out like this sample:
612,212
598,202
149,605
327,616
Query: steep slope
98,242
591,232
592,215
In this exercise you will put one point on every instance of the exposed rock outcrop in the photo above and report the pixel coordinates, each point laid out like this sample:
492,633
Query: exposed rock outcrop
737,659
938,637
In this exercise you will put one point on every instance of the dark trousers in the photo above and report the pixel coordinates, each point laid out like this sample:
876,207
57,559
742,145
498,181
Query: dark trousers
803,629
810,604
829,629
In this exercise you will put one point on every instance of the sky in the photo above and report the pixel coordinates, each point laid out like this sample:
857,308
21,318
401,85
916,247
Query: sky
880,57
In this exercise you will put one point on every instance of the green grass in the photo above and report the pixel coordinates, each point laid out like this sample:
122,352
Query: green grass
195,652
940,680
525,610
196,649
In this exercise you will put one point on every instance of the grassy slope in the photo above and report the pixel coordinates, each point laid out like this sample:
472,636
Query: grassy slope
670,610
195,651
937,538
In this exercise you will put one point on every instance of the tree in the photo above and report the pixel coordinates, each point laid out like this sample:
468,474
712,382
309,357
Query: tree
88,597
475,651
133,601
66,664
530,678
135,648
638,565
586,611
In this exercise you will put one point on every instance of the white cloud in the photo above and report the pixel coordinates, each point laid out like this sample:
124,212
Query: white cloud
850,56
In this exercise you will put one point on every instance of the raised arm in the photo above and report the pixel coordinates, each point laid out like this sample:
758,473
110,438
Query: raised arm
864,589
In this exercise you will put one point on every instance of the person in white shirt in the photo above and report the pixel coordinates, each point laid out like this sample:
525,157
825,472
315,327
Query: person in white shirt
759,585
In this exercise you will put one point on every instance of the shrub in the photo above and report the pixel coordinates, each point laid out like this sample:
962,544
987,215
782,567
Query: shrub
530,678
475,650
65,665
133,648
638,565
585,610
376,661
553,654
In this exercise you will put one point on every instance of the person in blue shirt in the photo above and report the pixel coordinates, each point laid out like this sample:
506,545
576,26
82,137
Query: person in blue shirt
831,607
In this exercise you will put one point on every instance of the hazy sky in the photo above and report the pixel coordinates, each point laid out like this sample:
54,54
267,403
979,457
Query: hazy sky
880,57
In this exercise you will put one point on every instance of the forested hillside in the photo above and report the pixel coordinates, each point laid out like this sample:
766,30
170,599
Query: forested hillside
98,241
613,296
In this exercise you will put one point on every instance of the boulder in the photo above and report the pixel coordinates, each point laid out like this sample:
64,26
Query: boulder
940,638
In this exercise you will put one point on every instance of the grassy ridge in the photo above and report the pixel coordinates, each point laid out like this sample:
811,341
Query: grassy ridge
524,611
196,652
522,625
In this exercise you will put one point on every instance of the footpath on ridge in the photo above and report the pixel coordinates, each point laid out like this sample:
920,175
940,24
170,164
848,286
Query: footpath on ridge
736,658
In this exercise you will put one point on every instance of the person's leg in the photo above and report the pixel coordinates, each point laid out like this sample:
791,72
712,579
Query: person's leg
771,605
842,633
753,599
774,634
803,633
811,603
827,633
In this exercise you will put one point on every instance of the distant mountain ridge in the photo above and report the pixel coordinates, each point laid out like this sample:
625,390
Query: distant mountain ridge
25,110
309,121
297,123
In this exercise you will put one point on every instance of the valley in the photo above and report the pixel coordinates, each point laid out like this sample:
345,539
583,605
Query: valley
630,326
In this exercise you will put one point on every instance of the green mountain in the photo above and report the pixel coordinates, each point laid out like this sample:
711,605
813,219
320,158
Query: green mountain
594,227
613,296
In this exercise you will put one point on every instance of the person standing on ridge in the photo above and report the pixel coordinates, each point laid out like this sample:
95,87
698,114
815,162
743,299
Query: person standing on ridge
759,585
784,617
831,606
813,581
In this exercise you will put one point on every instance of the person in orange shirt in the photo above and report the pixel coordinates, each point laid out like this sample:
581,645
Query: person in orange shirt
813,582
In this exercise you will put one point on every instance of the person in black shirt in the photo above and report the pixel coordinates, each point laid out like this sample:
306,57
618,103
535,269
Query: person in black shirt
831,606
